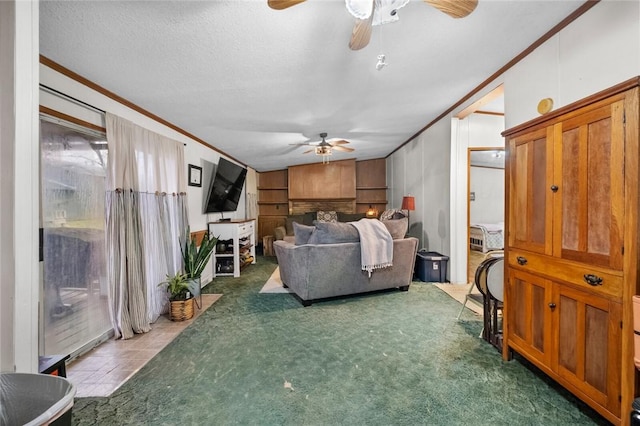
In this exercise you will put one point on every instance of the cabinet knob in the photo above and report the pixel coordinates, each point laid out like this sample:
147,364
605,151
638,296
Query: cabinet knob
552,306
521,260
554,188
593,279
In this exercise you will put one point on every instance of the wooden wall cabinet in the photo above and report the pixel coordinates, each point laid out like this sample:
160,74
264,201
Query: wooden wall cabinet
572,225
371,185
273,201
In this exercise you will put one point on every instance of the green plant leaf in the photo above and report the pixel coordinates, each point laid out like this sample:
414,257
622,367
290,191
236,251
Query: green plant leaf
195,258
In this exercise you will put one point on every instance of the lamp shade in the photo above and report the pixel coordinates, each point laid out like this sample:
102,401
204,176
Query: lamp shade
408,203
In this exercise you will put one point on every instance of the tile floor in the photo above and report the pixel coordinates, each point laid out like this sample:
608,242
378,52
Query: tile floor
104,369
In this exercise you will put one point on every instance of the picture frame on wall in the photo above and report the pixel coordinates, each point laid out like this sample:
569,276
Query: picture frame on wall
195,175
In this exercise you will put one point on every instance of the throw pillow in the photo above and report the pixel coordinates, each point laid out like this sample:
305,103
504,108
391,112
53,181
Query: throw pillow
288,222
308,219
393,214
334,233
350,217
327,216
302,233
397,227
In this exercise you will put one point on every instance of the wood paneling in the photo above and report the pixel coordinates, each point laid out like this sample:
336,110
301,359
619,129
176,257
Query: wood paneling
371,173
267,224
313,187
275,179
303,206
319,181
371,185
273,201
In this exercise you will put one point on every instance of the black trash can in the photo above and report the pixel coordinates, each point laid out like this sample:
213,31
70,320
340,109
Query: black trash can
431,266
35,399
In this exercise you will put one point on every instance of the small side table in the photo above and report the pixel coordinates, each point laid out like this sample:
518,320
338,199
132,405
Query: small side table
267,245
53,364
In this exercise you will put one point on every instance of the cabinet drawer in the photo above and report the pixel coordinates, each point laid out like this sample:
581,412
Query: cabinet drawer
605,282
245,228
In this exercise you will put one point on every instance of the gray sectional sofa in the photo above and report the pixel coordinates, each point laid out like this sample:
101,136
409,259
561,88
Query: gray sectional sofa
326,270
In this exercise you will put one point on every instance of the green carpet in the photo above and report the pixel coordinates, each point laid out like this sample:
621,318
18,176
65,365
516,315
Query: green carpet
392,358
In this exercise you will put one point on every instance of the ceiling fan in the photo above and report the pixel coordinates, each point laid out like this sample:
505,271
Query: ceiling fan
325,148
378,12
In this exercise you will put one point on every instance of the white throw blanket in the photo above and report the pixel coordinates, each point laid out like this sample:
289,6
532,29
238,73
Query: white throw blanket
376,244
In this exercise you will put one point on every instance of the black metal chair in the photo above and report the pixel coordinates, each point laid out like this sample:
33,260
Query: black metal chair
489,280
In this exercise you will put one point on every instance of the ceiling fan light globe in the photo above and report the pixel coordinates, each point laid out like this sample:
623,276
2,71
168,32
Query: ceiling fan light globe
360,9
386,11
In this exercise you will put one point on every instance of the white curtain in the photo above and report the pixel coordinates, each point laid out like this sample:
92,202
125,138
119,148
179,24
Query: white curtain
252,205
146,217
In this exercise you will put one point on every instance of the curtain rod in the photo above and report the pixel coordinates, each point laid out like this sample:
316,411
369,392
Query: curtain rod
75,100
70,98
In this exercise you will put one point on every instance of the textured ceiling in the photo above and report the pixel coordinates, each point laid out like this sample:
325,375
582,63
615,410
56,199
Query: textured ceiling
250,80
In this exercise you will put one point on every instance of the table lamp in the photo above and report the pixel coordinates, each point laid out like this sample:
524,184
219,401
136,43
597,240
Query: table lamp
408,204
371,213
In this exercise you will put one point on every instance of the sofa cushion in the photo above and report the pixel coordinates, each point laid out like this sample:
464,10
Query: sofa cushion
288,222
333,233
350,217
302,233
327,216
397,227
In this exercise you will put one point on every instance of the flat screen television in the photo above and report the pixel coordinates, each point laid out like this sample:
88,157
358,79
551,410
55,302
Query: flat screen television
226,187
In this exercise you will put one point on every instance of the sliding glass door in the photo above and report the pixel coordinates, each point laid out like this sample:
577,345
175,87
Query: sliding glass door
73,172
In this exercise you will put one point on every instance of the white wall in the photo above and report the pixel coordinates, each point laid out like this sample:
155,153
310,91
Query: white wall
422,168
19,186
598,50
488,186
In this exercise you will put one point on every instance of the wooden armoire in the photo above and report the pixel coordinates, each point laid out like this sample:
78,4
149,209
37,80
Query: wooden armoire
572,246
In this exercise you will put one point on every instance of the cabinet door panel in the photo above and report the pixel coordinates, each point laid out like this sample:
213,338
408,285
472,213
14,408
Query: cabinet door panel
591,197
530,213
529,319
588,336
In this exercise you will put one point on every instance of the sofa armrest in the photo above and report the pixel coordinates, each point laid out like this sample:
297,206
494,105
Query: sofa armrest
279,233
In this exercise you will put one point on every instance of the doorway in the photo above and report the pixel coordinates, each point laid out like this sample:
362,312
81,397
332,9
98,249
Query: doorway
74,309
485,204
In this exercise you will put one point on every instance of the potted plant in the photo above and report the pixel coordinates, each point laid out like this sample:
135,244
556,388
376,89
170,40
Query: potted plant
180,297
196,257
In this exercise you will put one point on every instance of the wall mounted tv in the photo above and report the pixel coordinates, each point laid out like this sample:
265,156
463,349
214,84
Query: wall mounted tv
226,187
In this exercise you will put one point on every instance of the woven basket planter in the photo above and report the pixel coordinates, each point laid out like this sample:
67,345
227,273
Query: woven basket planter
181,310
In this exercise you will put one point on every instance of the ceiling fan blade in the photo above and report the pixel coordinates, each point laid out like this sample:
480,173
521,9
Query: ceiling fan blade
340,142
454,8
361,33
343,148
282,4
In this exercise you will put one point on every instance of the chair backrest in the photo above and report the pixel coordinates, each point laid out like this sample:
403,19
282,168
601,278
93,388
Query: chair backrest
495,279
482,273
